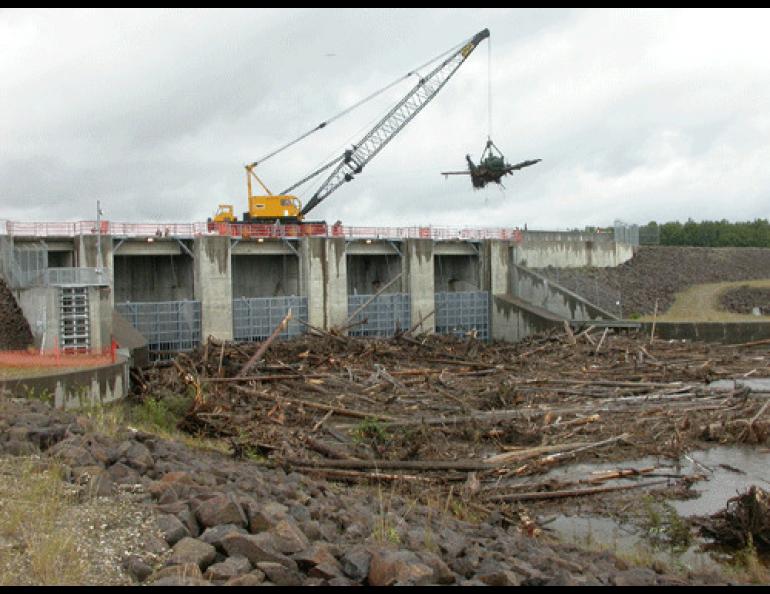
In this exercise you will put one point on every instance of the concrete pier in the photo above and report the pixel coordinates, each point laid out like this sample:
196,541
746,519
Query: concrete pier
420,273
324,280
214,286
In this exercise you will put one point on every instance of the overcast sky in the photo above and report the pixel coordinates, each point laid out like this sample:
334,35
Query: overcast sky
637,114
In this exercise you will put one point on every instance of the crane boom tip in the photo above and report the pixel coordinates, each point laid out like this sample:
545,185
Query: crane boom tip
480,36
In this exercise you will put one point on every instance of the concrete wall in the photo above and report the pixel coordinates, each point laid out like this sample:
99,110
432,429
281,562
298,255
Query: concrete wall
40,306
495,265
540,253
542,292
100,316
457,273
265,275
722,332
514,319
367,274
153,278
75,389
214,286
87,253
419,267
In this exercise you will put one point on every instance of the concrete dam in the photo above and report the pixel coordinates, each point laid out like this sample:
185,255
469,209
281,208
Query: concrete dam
77,283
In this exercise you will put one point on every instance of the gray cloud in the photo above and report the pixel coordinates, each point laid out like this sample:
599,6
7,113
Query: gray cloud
638,115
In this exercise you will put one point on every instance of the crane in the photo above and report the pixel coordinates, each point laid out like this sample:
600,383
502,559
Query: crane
287,208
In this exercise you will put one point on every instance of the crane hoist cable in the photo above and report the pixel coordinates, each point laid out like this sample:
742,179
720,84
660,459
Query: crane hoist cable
489,89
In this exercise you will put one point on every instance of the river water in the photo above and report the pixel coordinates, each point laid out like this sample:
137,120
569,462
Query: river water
729,470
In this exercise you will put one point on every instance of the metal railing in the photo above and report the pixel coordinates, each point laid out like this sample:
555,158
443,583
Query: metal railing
622,232
245,231
625,233
97,277
462,313
24,265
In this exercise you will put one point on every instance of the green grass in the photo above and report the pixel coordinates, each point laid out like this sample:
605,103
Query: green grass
34,499
159,416
748,567
370,431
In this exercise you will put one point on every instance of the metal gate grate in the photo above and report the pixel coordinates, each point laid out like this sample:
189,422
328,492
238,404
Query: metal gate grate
255,318
383,315
74,332
460,313
168,326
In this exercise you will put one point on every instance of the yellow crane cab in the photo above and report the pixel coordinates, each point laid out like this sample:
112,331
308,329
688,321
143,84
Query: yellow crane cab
270,208
224,214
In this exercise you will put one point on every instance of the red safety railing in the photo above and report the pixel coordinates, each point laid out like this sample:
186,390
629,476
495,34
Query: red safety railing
255,231
59,357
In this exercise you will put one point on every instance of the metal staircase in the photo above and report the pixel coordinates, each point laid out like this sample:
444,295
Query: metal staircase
74,331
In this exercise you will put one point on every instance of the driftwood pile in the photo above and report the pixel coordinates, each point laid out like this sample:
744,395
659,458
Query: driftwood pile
442,411
744,521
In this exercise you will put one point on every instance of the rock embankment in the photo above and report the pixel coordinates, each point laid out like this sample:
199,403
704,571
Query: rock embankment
657,273
239,523
747,300
15,333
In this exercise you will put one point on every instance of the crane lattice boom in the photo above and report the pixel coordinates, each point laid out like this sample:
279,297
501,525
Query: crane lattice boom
354,160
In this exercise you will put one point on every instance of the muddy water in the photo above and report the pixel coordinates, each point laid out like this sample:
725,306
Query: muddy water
729,469
607,533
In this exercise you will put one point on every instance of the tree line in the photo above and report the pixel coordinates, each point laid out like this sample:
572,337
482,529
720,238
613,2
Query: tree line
707,233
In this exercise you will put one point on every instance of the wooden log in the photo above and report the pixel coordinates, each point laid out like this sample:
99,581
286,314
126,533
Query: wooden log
424,465
569,333
654,321
356,476
601,342
749,344
343,412
340,339
462,362
610,475
419,323
264,378
554,458
221,358
265,345
372,298
324,450
524,454
541,495
574,422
